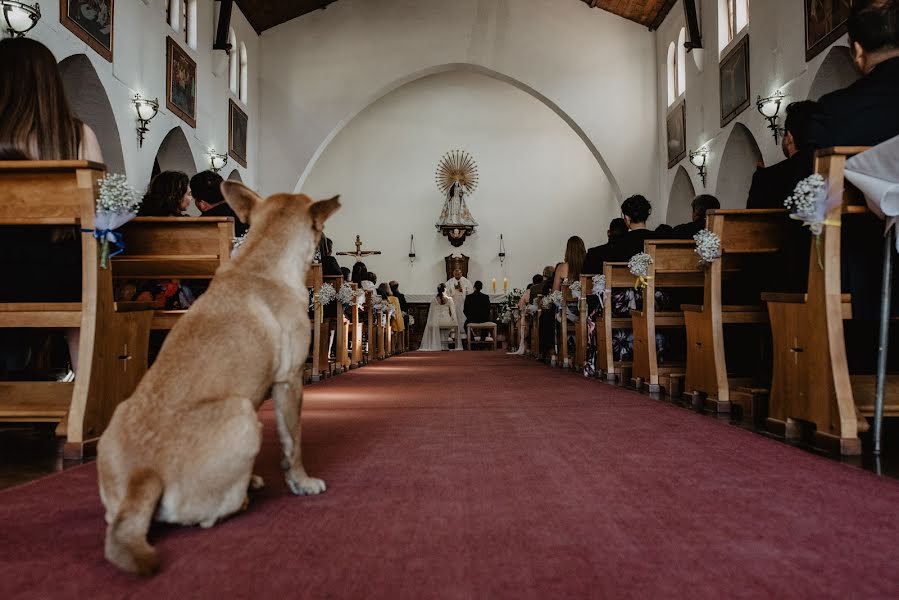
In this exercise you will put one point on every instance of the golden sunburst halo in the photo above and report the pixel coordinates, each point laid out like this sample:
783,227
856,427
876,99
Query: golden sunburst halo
457,166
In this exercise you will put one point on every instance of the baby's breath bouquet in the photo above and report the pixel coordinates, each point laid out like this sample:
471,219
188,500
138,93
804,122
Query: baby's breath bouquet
326,294
531,309
575,289
345,295
808,203
599,285
639,267
237,242
708,246
117,204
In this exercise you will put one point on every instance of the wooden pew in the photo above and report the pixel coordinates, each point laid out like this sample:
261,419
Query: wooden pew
357,358
580,330
112,347
675,266
173,248
340,349
371,348
746,236
314,280
811,381
534,348
618,276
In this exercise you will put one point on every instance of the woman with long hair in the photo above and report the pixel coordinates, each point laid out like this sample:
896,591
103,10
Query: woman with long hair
442,314
168,195
38,124
570,268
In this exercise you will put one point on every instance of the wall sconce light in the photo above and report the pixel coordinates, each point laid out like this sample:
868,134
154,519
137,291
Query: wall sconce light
769,108
18,17
698,158
217,161
146,110
411,249
502,250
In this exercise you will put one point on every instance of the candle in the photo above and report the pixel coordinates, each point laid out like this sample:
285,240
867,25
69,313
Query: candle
505,284
494,285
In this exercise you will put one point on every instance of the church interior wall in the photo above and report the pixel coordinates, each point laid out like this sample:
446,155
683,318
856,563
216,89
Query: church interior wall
776,61
539,183
138,66
326,67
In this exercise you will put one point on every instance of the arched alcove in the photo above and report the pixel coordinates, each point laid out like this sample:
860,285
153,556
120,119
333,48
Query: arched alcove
89,101
235,176
739,162
174,153
836,72
680,199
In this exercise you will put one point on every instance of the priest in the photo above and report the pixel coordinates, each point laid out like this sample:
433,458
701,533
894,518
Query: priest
458,287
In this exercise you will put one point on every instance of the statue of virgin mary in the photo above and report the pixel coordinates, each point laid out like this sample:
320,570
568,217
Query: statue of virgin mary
455,211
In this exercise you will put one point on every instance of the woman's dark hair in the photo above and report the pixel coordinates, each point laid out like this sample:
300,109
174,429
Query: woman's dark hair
440,291
384,290
637,208
874,24
346,274
37,119
164,195
373,277
575,253
207,186
359,272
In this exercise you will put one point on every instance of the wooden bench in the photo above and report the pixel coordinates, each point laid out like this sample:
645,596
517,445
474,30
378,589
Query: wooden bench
357,357
618,276
314,281
580,330
484,331
675,266
534,346
746,236
112,346
341,359
811,381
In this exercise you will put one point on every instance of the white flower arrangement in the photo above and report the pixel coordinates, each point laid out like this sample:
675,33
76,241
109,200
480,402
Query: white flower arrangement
575,289
345,294
411,320
599,285
639,267
360,297
531,309
326,294
237,242
118,203
505,316
708,246
553,299
808,202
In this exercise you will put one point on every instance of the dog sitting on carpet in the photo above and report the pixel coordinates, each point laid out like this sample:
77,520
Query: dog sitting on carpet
182,447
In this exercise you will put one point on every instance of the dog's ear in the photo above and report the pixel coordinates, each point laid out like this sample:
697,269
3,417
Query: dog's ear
320,211
241,198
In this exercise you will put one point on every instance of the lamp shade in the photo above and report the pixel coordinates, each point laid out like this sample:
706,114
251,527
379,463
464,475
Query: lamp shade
770,106
217,161
146,109
19,17
698,157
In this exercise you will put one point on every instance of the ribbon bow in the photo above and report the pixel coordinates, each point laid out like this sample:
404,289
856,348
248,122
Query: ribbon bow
642,282
105,237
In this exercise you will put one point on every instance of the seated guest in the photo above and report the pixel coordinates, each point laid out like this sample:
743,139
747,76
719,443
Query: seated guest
772,185
367,282
596,256
523,302
345,271
664,231
330,266
359,273
864,114
636,211
477,306
207,193
701,204
168,195
404,306
570,269
383,291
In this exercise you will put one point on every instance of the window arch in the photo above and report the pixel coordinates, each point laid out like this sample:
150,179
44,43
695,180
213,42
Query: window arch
190,23
681,62
733,17
232,62
173,14
244,74
672,74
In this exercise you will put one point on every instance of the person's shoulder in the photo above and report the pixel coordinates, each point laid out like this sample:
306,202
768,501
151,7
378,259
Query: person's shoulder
90,145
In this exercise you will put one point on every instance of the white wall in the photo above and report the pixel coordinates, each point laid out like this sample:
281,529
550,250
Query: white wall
777,61
595,69
139,66
539,183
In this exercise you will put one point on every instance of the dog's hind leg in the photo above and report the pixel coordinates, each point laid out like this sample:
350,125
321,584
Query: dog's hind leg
126,535
288,399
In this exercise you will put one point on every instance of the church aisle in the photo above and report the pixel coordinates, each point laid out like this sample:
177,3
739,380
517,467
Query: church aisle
478,475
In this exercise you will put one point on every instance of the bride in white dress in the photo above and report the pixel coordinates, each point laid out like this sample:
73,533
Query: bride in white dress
441,314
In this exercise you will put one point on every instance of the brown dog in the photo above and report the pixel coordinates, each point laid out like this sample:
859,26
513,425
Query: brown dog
182,447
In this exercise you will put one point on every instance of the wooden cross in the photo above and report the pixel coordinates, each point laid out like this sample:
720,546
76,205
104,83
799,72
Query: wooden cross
359,253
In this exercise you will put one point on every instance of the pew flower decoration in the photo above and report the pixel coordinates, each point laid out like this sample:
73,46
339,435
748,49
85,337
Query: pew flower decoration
599,285
575,289
237,242
117,204
708,246
360,297
531,309
345,295
553,299
639,268
326,294
505,316
808,203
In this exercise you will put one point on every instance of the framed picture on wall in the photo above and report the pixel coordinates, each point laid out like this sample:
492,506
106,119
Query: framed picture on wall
825,21
91,21
734,81
238,123
676,128
180,83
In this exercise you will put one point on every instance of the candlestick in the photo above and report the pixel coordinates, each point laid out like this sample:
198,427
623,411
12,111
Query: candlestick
505,284
494,285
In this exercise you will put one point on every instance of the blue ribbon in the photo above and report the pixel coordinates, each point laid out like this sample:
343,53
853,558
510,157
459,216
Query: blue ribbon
109,235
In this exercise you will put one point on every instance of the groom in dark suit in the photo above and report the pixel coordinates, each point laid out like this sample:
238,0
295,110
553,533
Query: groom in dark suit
477,306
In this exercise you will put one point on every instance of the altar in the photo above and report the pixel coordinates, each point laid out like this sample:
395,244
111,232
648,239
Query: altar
419,304
426,298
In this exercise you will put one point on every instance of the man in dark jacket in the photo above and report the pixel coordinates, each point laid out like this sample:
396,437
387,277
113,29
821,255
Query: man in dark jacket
477,306
404,306
206,188
596,256
701,205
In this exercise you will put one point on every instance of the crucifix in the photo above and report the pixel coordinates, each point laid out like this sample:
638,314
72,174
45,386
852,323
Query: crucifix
359,253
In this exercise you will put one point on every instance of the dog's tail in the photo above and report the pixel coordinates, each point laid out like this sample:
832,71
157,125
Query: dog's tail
126,535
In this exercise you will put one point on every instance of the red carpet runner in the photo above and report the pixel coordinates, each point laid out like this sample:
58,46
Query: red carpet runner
476,475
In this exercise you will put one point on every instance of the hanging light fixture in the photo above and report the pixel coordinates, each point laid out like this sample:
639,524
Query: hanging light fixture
698,158
18,17
411,249
769,108
502,250
146,110
217,161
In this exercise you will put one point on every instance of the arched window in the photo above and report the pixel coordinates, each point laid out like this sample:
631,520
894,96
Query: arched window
681,62
173,14
733,17
190,23
244,75
672,74
232,62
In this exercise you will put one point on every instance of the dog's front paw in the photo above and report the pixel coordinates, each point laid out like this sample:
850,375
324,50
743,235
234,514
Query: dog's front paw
306,486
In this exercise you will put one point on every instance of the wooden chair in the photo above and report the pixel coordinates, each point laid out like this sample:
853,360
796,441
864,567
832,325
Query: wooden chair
675,266
314,280
618,276
113,341
811,381
481,328
580,330
746,236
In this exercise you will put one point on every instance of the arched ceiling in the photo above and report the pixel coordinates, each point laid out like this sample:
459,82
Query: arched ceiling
265,14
